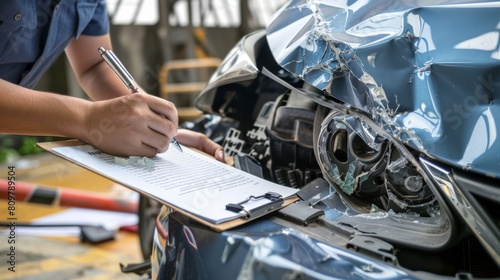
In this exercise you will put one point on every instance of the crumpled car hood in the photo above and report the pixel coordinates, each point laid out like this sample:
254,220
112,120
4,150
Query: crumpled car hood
428,72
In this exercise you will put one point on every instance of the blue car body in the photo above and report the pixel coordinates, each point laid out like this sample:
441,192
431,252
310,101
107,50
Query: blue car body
387,113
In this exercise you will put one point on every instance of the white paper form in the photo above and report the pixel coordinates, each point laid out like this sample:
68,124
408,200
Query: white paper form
188,180
107,219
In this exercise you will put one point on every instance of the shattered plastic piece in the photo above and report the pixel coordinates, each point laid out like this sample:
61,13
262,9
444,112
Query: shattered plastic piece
362,177
144,162
336,176
396,165
394,198
377,92
374,215
349,180
433,211
346,185
374,209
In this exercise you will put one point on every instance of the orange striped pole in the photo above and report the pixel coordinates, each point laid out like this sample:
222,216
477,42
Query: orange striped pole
59,196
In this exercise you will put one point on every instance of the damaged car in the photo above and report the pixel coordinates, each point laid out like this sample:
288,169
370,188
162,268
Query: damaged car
384,114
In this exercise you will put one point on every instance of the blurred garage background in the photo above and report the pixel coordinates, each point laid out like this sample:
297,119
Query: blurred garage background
170,47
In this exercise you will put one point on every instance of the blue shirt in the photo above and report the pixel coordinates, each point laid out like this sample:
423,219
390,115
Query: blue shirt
34,33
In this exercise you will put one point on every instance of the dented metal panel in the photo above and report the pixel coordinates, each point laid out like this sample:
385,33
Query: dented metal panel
397,61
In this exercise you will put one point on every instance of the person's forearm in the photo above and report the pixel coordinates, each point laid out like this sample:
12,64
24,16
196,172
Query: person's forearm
94,75
28,112
100,83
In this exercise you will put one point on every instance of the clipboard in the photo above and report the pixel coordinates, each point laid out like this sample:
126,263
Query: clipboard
267,208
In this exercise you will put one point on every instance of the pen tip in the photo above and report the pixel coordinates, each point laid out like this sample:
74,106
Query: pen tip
176,144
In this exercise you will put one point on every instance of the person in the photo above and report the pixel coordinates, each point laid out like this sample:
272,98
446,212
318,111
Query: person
33,35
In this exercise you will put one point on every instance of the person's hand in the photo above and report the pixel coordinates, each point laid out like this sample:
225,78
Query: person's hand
135,124
201,142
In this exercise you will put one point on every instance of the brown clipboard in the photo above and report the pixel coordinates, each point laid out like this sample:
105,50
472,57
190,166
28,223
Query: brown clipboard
48,146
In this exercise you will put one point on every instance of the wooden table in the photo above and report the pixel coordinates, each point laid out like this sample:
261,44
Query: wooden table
63,257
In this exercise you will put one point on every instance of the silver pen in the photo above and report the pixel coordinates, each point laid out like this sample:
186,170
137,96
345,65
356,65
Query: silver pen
126,78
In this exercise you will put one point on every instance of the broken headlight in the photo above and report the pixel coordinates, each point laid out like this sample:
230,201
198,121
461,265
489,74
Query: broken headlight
368,167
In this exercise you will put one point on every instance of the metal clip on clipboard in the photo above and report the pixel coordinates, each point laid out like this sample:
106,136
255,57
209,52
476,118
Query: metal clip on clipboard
276,200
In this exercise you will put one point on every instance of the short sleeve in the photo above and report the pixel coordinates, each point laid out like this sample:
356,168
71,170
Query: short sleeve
99,24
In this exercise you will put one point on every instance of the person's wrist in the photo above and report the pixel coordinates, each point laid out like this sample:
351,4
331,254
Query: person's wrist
82,130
